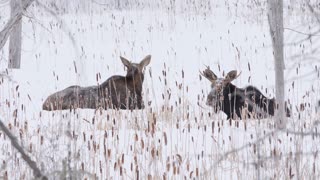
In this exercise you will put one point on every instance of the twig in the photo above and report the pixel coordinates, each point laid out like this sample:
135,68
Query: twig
309,133
303,39
312,11
225,155
36,171
65,28
307,34
263,159
99,3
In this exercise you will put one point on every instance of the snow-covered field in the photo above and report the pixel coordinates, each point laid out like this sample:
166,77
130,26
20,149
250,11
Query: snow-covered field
176,136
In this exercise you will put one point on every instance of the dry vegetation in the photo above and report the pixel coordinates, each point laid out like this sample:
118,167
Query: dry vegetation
174,137
176,140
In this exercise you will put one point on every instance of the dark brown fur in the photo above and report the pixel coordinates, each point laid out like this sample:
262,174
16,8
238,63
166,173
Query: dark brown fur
117,92
233,100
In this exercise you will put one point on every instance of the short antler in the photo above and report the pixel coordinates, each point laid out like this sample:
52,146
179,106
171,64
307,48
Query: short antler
207,73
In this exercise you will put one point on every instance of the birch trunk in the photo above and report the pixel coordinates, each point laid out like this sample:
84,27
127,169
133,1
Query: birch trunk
5,32
15,36
275,17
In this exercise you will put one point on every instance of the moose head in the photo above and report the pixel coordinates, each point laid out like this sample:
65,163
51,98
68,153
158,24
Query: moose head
218,85
136,69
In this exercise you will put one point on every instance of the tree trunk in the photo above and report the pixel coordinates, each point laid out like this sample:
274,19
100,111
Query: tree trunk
275,17
15,36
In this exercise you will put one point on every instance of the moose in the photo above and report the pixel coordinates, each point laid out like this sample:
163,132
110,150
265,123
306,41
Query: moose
237,102
117,92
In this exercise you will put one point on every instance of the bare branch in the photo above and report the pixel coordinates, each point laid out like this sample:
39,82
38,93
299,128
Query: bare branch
305,75
272,133
316,15
25,157
290,154
5,33
302,133
65,29
227,154
307,34
99,3
304,39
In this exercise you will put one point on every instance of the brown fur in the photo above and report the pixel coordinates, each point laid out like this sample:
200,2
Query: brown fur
234,101
117,92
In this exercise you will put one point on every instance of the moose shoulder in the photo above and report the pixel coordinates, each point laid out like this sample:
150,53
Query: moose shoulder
117,92
237,102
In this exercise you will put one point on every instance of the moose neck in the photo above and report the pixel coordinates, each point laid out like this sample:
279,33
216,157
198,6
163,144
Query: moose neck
271,106
135,80
229,88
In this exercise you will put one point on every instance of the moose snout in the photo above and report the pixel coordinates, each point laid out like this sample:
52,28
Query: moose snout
46,106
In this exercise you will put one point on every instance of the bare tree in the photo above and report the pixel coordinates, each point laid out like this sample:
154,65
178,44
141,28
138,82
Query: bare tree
15,37
5,32
275,17
32,164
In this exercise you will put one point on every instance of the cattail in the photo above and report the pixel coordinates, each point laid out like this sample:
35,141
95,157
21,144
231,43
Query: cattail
137,173
29,97
89,147
94,146
142,144
109,153
191,174
41,140
82,166
164,176
153,154
115,166
30,147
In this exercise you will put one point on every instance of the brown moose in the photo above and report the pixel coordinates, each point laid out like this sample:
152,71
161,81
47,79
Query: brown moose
117,92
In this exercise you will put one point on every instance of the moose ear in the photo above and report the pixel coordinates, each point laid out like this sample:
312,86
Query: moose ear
125,61
145,61
232,75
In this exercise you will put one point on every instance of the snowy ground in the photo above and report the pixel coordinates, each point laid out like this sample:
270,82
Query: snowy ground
173,137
